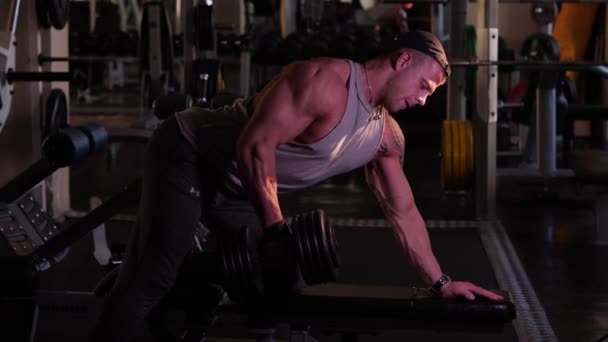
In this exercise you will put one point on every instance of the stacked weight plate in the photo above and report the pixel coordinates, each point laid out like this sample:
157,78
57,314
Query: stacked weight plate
239,265
315,246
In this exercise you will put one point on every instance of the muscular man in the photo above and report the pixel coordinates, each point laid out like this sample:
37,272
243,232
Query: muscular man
226,167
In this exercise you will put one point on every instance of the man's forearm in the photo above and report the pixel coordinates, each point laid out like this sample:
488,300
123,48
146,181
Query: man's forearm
256,168
413,236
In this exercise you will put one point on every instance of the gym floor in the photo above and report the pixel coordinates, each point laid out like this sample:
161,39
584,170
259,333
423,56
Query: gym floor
553,237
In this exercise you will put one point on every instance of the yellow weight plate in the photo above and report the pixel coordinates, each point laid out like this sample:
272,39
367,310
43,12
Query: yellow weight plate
457,152
455,155
470,167
461,154
466,141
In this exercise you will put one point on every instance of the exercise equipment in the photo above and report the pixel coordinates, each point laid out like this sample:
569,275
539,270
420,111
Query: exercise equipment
544,12
376,309
7,59
231,258
541,47
42,14
235,263
316,247
368,300
24,226
457,154
55,114
52,13
207,81
231,44
155,52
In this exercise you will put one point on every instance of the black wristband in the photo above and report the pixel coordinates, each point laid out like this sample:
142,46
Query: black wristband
439,284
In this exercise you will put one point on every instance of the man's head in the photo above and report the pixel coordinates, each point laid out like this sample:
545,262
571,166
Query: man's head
418,66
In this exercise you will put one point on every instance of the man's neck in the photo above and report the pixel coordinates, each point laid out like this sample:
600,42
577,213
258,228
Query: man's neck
377,72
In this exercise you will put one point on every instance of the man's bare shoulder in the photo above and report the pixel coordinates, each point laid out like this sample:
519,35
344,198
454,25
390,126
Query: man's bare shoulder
331,69
319,83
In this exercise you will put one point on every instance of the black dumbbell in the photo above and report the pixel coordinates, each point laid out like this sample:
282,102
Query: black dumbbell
314,246
235,261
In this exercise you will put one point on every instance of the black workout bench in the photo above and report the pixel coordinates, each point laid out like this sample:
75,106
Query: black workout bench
355,310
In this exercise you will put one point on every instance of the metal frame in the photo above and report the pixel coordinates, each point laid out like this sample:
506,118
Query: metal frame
485,118
456,108
546,123
7,54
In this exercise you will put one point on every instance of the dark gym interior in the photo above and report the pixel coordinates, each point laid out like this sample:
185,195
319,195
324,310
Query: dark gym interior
507,162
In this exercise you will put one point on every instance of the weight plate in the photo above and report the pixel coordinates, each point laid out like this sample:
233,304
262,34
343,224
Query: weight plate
315,246
457,152
300,248
253,272
308,269
446,154
458,155
312,242
333,245
470,151
58,12
326,258
42,14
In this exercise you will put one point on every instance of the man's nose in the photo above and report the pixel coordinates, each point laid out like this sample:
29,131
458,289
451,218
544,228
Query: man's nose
421,100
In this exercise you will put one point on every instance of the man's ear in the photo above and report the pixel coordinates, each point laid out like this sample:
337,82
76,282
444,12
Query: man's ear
404,59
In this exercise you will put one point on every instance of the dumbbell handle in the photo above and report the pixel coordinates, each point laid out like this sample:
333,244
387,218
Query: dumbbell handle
35,76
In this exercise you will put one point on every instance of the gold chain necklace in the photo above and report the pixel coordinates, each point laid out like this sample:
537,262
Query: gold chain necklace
378,110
